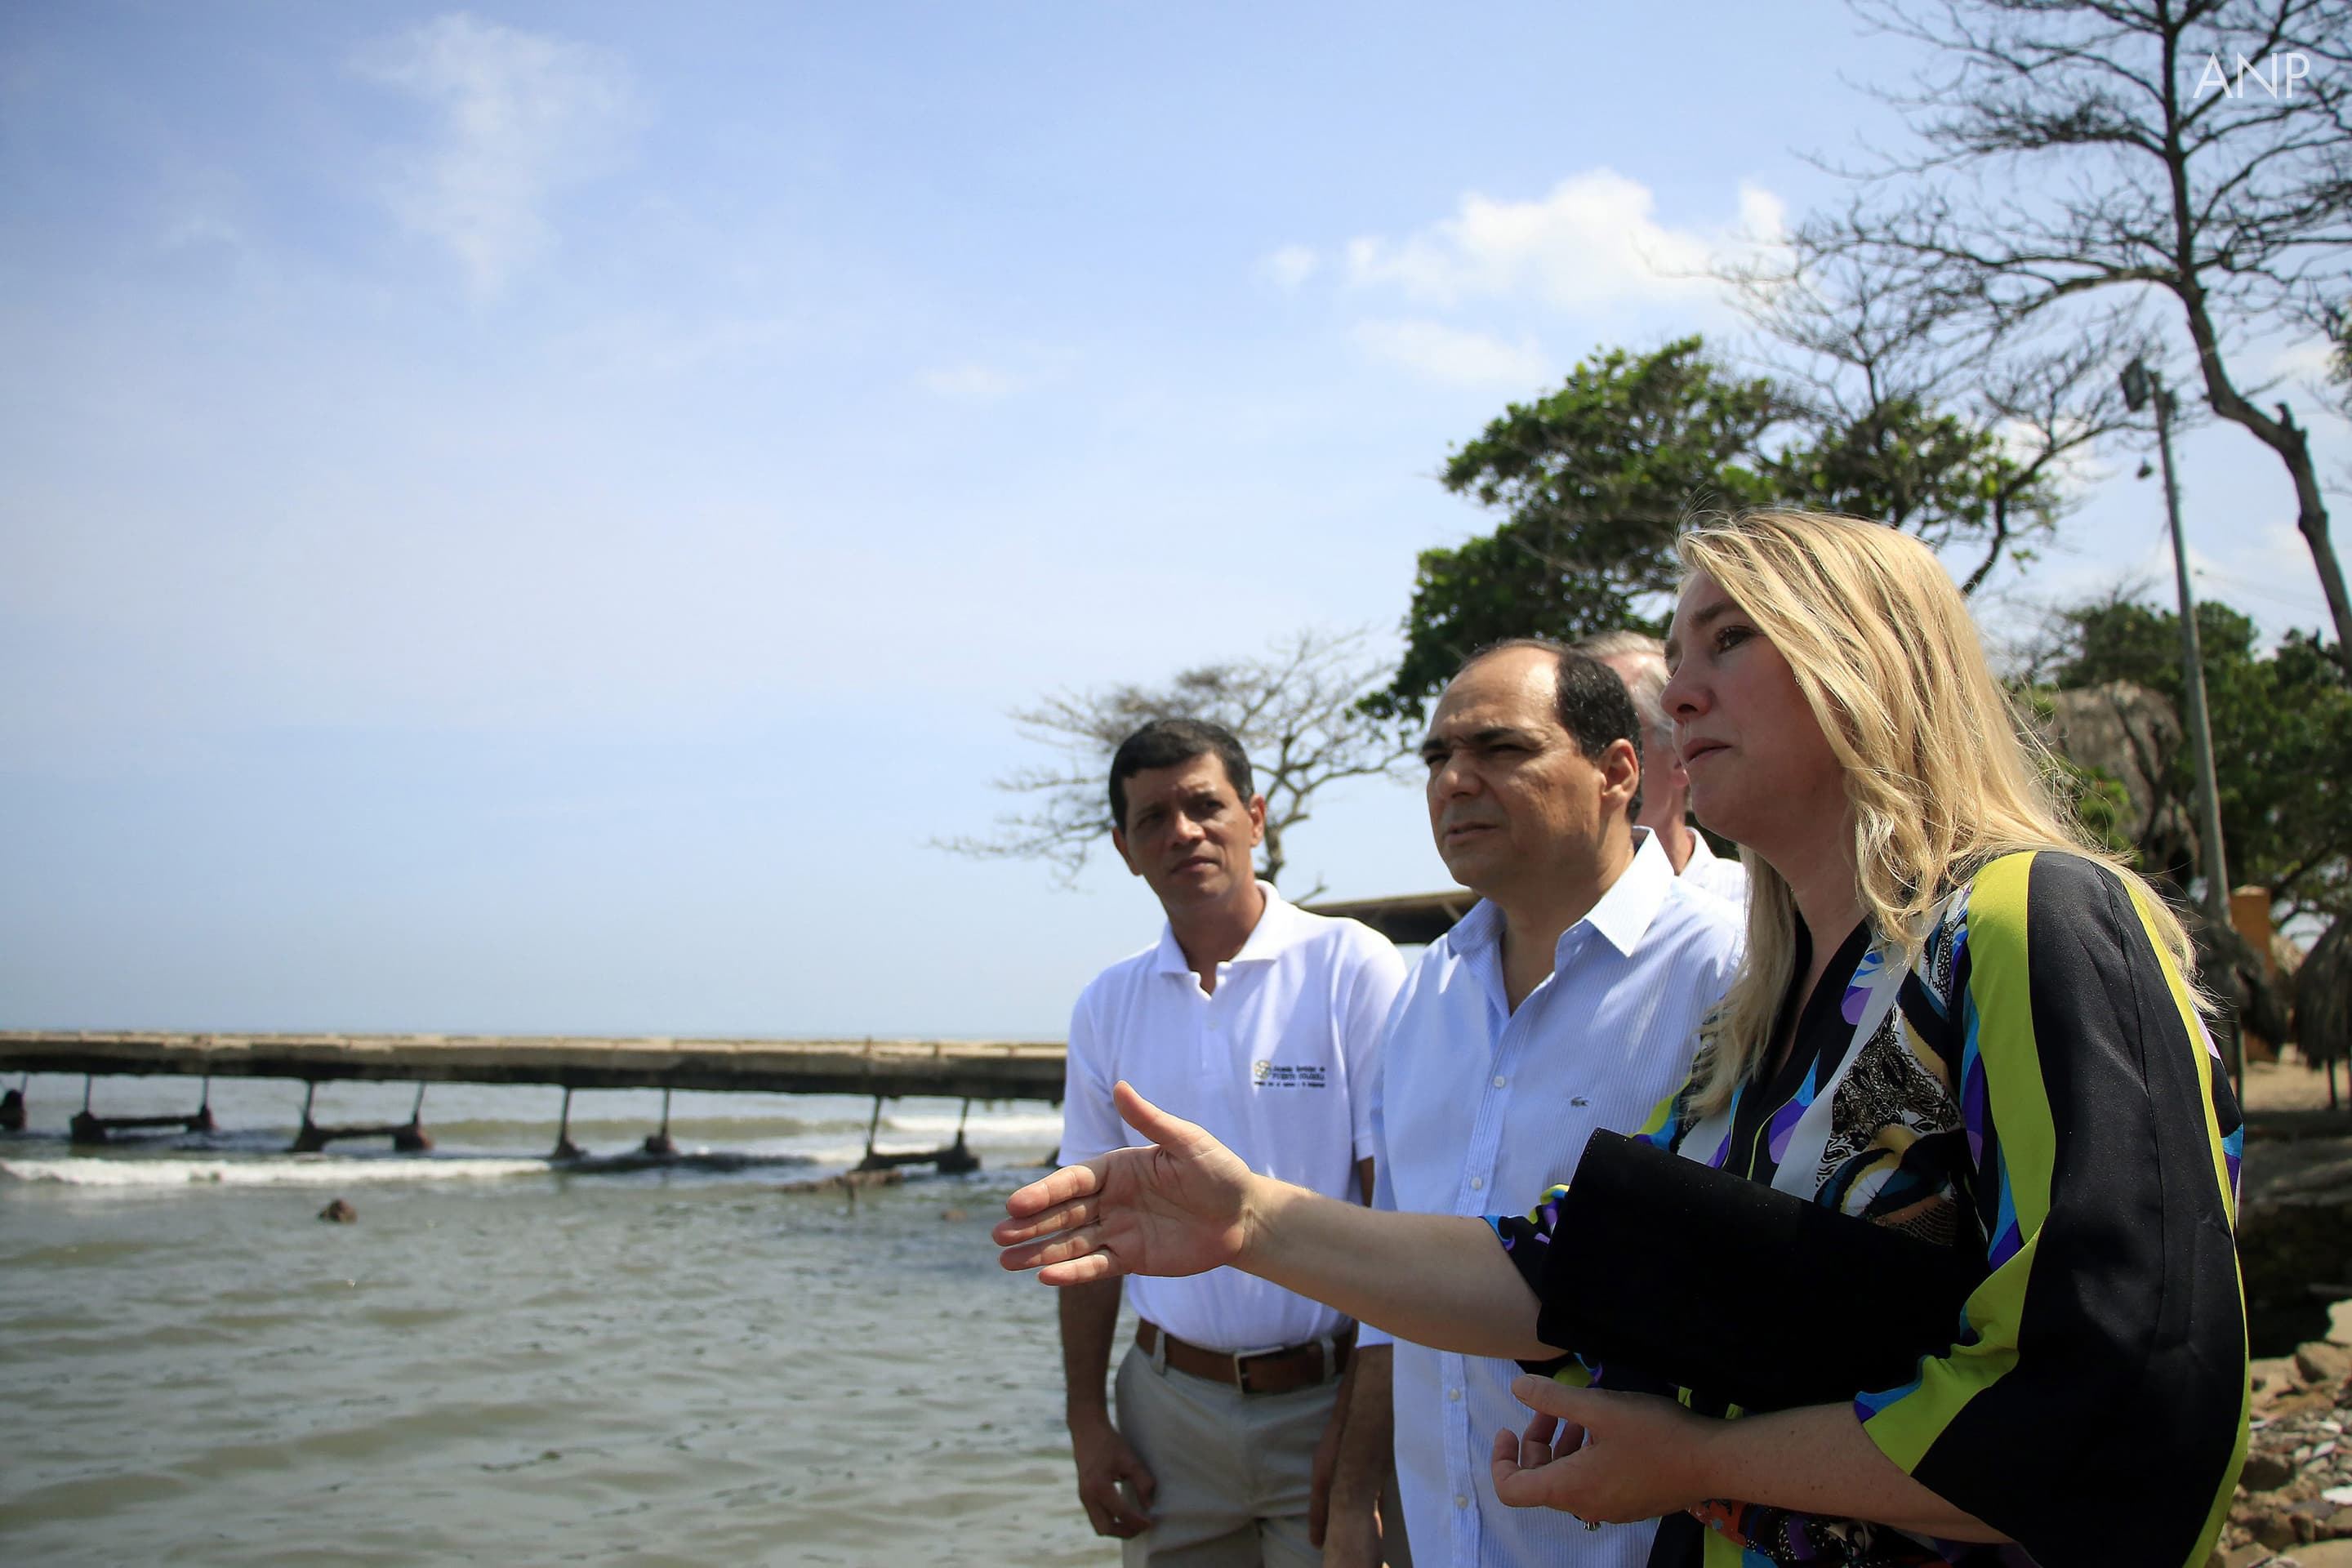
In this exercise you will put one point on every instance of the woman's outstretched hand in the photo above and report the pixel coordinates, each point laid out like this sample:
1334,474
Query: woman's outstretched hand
1180,1205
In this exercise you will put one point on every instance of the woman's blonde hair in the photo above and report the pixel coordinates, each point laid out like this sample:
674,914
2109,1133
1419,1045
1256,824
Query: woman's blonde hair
1941,774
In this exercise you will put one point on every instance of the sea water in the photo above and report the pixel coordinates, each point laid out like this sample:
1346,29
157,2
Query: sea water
504,1362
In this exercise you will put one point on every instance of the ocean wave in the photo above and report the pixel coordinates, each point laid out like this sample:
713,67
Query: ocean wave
609,1129
1002,1127
151,1176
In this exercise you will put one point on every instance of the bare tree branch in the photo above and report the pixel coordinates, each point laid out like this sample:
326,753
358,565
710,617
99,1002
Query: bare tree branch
2073,149
1294,709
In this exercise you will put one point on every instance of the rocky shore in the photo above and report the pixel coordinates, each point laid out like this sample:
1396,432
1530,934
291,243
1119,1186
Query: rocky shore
2293,1508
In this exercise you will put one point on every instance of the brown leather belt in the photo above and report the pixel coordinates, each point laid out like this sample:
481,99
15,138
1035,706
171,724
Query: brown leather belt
1283,1370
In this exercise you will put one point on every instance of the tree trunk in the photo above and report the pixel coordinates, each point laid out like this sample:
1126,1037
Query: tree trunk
2285,437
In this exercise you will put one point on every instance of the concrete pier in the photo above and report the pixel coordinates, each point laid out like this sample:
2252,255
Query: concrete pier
958,1069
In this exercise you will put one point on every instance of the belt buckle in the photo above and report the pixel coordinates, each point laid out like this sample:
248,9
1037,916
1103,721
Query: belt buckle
1241,1364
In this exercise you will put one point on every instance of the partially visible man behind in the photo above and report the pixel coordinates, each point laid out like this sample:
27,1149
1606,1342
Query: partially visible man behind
1564,1002
1641,662
1258,1021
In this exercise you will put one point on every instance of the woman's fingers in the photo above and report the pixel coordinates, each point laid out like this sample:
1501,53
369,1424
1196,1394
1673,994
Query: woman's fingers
1063,1217
1083,1270
1069,1182
1535,1444
1519,1487
1524,1474
1058,1247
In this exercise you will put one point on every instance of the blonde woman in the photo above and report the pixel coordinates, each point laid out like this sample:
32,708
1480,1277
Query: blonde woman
1955,1022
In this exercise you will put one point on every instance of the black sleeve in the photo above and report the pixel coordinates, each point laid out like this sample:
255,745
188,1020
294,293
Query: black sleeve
1736,1291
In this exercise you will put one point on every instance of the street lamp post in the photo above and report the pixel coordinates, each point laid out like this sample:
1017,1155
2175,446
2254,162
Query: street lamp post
2142,386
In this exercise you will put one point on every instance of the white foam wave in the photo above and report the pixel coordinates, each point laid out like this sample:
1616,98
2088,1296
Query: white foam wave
125,1175
1003,1126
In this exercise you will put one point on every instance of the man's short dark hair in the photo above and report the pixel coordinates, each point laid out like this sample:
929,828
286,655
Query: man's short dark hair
1165,742
1592,701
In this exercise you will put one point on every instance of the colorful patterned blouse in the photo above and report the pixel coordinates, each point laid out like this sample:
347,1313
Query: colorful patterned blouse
2043,1091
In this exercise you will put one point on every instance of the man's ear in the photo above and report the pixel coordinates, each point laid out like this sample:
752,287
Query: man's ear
1118,842
1257,818
1620,771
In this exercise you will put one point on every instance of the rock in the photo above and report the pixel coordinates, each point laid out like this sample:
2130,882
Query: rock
2266,1472
2275,1531
2272,1375
2339,1324
848,1181
2246,1556
2324,1554
2320,1362
340,1213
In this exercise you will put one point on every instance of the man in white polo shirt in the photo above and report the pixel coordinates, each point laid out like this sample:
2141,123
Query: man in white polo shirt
1565,1001
1258,1021
1640,662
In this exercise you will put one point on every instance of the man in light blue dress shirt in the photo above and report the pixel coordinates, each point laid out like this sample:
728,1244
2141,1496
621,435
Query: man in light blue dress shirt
1564,1002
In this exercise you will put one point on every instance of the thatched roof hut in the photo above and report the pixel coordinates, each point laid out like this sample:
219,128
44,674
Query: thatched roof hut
2323,1001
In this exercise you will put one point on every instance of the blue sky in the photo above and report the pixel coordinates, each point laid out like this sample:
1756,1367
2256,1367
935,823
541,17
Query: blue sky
532,518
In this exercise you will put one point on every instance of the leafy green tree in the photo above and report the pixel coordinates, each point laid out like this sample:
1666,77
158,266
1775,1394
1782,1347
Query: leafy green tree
2281,743
1595,479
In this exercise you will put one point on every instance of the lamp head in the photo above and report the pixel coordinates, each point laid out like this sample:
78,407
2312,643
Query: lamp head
2136,386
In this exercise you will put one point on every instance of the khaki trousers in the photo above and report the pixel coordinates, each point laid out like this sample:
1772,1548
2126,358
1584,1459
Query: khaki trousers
1233,1469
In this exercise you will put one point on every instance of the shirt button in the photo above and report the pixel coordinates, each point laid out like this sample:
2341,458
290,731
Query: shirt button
1453,1393
1500,1080
1477,1184
1461,1499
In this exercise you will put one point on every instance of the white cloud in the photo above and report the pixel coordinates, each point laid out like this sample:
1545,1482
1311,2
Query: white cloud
2306,360
967,382
1594,240
1451,354
2077,472
520,117
1291,265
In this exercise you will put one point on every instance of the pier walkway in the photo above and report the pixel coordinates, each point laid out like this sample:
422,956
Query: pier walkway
952,1069
884,1070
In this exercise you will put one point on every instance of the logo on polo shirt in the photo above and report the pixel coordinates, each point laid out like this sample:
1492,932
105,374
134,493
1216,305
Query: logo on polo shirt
1265,1074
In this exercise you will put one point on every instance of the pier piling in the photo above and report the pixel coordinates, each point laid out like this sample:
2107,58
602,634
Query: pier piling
413,1139
566,1149
952,1161
659,1143
957,1159
408,1136
88,1128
